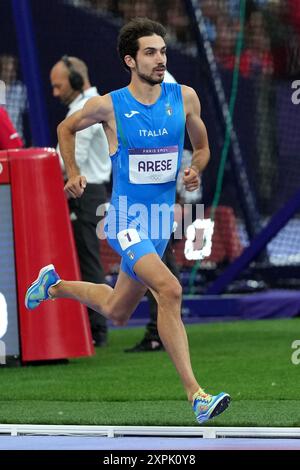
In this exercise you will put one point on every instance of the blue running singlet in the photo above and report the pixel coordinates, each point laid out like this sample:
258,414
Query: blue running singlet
145,168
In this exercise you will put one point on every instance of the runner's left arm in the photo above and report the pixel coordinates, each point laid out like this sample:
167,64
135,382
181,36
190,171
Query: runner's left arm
198,137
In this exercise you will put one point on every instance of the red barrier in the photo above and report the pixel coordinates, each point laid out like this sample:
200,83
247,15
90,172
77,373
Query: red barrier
4,168
43,235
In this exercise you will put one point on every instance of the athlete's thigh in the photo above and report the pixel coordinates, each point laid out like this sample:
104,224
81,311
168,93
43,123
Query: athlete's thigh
153,272
127,293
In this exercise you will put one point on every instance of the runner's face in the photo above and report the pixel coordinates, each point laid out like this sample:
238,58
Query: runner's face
151,59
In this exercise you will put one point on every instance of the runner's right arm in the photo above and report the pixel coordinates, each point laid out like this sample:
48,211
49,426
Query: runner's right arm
96,109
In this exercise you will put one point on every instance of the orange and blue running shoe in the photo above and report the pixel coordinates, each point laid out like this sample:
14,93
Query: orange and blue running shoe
39,289
207,406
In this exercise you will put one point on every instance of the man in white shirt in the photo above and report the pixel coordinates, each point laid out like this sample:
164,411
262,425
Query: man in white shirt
70,83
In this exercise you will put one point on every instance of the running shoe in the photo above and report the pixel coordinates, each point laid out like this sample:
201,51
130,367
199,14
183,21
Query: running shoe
147,344
39,289
207,406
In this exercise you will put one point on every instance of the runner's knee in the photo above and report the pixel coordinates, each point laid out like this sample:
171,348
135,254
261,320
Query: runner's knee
170,290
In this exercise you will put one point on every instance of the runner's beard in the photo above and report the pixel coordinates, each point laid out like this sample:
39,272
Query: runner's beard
148,79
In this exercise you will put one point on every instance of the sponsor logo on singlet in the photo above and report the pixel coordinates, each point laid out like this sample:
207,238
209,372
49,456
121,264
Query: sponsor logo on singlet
132,113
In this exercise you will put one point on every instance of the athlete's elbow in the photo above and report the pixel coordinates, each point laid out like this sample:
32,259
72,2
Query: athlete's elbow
63,129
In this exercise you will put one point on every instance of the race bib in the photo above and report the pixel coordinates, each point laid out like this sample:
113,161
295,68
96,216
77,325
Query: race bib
153,165
128,237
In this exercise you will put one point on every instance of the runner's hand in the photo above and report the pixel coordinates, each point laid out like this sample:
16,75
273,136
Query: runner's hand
191,179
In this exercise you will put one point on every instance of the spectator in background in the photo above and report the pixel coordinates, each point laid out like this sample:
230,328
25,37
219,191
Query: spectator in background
179,27
70,83
256,57
210,14
284,22
293,13
9,138
293,17
16,93
171,12
131,8
261,66
257,65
